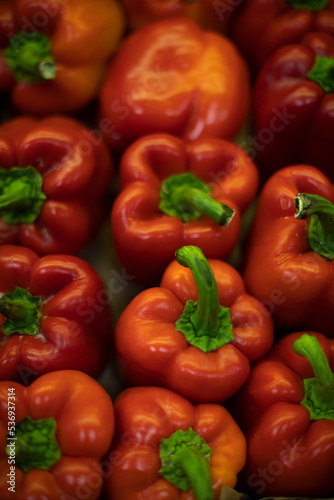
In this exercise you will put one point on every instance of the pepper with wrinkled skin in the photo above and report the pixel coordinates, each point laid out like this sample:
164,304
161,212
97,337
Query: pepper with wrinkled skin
286,409
51,315
58,430
289,258
207,13
54,53
264,26
165,447
293,107
146,233
172,76
196,334
53,176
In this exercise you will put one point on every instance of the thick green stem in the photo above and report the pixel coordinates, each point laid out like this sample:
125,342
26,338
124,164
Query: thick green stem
187,197
321,226
308,4
21,195
35,444
29,57
22,312
319,391
322,72
205,323
185,458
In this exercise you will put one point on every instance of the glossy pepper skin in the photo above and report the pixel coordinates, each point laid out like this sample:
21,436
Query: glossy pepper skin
72,168
172,76
281,269
293,118
81,415
290,453
156,347
72,76
263,26
66,327
145,237
209,15
145,416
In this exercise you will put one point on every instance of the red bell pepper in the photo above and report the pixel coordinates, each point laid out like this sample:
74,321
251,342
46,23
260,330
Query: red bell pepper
172,76
165,447
53,435
289,262
263,26
211,15
286,409
51,317
151,218
197,333
54,173
53,54
293,106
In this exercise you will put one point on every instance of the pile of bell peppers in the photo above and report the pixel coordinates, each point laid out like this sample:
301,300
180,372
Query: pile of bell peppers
166,249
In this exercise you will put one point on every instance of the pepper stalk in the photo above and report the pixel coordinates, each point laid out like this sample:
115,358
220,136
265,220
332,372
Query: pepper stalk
204,323
319,391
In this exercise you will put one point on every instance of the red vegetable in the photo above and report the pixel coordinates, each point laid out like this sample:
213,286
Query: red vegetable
264,26
54,53
173,77
293,106
286,409
197,333
165,447
51,317
289,261
165,187
53,435
54,173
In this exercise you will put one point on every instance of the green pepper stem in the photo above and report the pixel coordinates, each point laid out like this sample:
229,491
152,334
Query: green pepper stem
321,226
205,317
22,312
29,57
185,458
205,323
196,468
35,444
322,72
21,194
203,204
320,390
187,197
308,4
18,197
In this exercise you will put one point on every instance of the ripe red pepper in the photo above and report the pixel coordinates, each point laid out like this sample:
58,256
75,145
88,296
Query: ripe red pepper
210,15
263,26
197,333
289,263
53,54
172,76
286,409
293,106
53,435
165,447
165,187
50,315
54,173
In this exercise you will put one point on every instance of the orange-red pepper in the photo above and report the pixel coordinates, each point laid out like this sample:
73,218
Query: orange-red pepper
53,53
156,212
197,333
165,447
53,435
172,76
